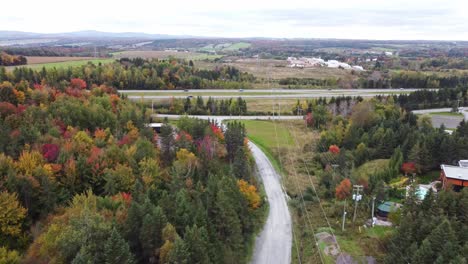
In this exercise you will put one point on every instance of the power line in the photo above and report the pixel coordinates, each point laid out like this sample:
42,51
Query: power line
315,191
302,196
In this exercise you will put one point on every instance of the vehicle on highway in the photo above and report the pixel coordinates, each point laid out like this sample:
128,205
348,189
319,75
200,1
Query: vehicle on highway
241,90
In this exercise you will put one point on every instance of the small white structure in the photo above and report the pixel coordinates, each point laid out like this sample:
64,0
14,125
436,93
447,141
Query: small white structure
388,53
155,126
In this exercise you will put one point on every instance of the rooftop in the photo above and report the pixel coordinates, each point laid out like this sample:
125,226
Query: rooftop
455,172
389,207
463,163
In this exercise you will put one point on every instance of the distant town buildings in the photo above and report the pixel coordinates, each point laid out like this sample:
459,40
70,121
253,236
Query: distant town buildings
304,62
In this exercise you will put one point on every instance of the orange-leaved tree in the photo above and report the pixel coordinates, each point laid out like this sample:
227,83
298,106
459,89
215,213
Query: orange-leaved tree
250,193
343,190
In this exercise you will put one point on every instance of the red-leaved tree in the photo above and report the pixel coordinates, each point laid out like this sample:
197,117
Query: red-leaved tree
343,190
309,120
50,152
408,168
77,83
334,149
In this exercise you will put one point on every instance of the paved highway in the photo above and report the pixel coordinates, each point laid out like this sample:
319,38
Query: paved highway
260,93
274,90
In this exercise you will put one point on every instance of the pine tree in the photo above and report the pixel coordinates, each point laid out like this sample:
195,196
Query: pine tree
240,167
196,239
424,253
167,144
179,254
116,250
151,233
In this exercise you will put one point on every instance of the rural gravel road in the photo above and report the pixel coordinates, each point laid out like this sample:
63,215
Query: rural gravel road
274,243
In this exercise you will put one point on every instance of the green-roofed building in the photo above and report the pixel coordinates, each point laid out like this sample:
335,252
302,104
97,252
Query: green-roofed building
387,207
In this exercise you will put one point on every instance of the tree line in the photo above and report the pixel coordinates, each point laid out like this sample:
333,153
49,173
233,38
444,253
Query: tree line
423,99
138,73
11,60
413,79
197,106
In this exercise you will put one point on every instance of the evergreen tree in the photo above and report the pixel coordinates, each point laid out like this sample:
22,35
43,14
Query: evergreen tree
196,239
240,166
179,254
116,250
151,233
167,144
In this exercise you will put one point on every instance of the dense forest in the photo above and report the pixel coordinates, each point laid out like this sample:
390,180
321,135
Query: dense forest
432,231
422,99
137,74
382,130
413,79
58,51
83,180
11,60
429,231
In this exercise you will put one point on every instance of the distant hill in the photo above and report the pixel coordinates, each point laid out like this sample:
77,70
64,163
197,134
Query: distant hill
87,34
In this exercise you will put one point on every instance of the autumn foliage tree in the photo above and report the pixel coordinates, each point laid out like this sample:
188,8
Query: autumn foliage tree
250,193
343,190
77,83
408,168
309,119
50,152
334,149
12,215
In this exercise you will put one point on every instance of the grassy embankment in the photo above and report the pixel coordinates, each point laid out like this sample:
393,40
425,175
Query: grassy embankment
296,146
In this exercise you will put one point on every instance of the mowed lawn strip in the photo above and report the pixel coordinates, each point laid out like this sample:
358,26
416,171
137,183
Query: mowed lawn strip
262,133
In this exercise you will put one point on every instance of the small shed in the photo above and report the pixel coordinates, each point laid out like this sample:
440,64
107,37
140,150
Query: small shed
155,126
387,207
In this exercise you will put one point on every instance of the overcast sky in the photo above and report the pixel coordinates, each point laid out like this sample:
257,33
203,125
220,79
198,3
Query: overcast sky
352,19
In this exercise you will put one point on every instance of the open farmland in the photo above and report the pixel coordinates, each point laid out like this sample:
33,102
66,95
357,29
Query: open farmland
225,47
155,54
46,59
63,64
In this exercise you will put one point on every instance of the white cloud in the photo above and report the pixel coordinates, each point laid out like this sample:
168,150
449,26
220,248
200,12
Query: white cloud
373,19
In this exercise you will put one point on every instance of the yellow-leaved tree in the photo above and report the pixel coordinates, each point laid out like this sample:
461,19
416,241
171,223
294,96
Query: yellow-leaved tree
250,193
12,215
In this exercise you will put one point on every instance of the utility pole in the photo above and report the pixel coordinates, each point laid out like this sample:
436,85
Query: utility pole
344,216
356,197
373,202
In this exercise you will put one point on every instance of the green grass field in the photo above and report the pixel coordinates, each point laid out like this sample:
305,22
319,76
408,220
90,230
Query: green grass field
225,47
238,46
371,167
65,64
262,133
446,114
159,54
